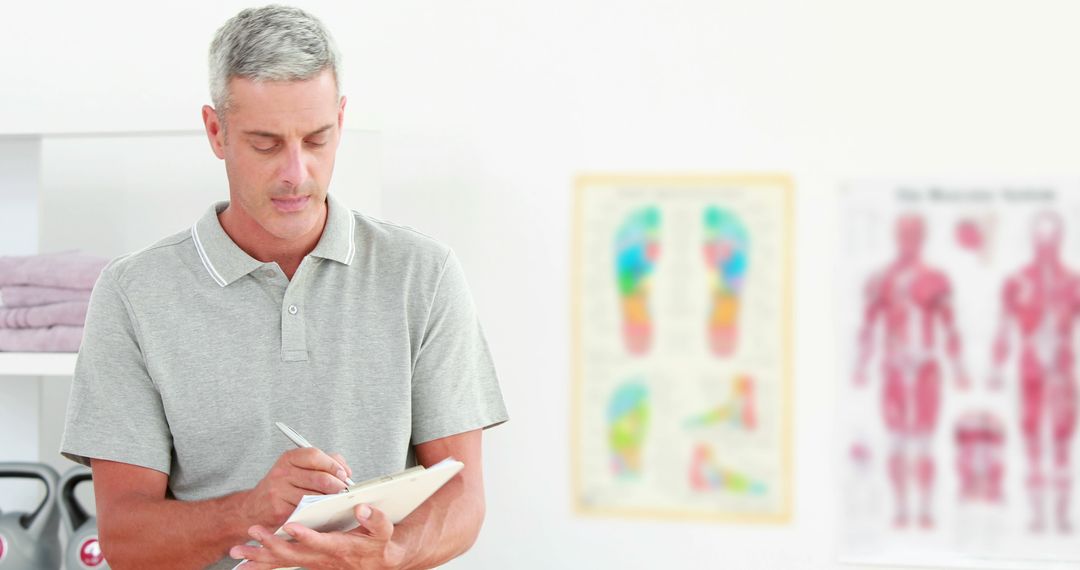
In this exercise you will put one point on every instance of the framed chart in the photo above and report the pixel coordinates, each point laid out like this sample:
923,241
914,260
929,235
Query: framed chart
681,343
957,309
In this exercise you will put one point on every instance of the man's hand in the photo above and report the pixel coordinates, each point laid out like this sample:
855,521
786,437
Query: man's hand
963,381
368,547
997,379
298,472
441,528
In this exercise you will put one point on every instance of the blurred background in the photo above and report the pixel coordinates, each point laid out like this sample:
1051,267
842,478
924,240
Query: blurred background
470,120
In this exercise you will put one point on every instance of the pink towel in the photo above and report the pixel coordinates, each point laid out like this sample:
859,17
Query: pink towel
53,339
32,295
69,269
71,313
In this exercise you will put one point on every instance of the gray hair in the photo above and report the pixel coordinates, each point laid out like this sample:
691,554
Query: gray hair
272,43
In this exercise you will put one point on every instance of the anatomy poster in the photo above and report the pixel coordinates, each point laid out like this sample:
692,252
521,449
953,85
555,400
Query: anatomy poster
682,347
957,306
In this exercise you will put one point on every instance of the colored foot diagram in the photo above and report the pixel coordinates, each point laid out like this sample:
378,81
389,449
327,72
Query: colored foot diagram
737,411
637,250
725,249
707,475
628,424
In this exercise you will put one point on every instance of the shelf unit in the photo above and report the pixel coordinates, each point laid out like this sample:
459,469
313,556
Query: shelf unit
37,363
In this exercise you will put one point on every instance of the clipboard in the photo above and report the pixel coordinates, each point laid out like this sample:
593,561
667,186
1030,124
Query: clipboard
396,495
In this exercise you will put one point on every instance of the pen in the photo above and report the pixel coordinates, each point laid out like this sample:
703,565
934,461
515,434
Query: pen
301,442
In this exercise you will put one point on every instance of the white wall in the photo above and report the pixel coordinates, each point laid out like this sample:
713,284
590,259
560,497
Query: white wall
487,109
19,157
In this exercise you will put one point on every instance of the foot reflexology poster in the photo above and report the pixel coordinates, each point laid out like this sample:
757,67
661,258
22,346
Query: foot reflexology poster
682,323
957,306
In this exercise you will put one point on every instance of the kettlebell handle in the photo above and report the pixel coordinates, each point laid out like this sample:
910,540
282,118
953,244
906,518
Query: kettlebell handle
75,514
34,521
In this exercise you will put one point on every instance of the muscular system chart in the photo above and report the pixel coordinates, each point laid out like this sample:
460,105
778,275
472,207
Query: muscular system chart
958,304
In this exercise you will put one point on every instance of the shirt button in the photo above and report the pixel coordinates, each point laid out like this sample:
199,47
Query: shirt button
268,273
292,309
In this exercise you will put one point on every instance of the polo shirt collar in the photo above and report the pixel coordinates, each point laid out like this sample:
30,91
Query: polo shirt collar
226,262
338,241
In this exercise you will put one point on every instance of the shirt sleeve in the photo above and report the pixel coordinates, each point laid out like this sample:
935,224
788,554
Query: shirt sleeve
454,385
114,410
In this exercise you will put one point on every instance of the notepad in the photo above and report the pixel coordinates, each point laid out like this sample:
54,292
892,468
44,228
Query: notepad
396,495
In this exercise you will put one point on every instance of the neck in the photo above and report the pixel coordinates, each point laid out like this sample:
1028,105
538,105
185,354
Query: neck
1047,264
266,247
907,260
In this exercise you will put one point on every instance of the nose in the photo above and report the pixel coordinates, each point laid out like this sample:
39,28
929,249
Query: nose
294,171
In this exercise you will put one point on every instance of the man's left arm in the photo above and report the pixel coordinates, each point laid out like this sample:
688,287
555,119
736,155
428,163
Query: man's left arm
447,524
442,528
946,315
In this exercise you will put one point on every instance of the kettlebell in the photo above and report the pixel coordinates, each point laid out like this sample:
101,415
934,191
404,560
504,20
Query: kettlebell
30,540
83,549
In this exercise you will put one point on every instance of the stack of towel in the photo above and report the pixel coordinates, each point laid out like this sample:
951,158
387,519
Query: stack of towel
43,300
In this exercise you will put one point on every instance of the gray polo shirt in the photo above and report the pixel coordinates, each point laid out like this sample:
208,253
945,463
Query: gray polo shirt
193,349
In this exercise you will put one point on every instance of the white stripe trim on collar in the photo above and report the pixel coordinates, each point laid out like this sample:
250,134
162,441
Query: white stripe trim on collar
352,238
205,259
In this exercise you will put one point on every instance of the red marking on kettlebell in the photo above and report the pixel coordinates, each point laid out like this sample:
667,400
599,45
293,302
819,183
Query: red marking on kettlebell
3,547
90,553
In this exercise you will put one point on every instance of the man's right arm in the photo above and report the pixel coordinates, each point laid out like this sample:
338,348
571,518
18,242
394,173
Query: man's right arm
872,309
139,527
1009,294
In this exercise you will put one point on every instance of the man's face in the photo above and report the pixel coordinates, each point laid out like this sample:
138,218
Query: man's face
279,148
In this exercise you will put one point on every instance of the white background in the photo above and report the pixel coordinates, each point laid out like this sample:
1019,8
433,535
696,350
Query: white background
487,109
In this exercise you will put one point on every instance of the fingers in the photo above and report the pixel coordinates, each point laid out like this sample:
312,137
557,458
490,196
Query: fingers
374,522
309,548
315,460
258,566
273,548
319,482
338,457
305,536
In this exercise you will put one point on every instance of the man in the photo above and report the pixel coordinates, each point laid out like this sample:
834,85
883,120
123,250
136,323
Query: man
1041,303
279,305
914,302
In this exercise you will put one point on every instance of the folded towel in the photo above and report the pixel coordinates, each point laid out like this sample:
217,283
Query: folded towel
70,313
32,295
70,269
53,339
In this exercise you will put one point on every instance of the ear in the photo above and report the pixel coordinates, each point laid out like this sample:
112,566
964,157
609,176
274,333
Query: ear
341,113
214,131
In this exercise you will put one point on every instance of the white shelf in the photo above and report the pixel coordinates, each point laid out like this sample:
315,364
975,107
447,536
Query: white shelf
37,363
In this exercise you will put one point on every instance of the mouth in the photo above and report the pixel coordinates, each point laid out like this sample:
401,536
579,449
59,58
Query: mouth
290,204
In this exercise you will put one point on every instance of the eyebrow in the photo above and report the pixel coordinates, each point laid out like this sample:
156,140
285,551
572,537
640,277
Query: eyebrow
268,134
